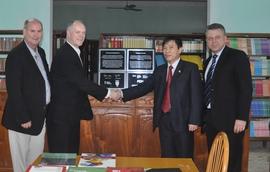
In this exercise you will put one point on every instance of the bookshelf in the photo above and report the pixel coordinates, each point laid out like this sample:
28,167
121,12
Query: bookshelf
193,44
8,40
193,49
257,47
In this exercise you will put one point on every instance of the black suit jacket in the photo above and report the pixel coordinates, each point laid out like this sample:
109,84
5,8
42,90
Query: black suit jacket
26,91
232,89
70,88
186,93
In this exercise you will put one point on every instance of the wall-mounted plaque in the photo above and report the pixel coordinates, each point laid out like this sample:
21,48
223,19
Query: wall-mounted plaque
112,59
112,80
136,78
140,59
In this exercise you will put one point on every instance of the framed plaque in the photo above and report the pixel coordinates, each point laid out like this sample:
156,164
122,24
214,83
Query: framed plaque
112,59
135,78
140,59
112,79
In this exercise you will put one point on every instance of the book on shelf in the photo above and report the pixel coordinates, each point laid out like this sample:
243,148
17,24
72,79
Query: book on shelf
2,83
33,168
260,108
58,159
261,88
127,42
102,160
260,128
251,46
86,169
125,169
7,43
260,67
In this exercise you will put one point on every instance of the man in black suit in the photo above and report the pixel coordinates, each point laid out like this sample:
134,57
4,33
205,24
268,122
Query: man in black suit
177,100
228,93
28,91
70,89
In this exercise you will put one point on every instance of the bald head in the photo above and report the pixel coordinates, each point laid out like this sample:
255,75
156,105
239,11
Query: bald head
76,33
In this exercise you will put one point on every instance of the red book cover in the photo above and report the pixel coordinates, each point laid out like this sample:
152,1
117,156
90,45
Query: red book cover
125,169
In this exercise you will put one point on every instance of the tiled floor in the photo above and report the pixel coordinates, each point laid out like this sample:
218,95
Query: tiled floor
259,157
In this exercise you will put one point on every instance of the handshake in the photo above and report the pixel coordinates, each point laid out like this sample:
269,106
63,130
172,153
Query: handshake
115,94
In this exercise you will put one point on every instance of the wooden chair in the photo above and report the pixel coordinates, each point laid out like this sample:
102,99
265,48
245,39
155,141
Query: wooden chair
218,158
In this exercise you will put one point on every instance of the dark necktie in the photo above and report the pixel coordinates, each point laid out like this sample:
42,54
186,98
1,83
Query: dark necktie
166,104
208,83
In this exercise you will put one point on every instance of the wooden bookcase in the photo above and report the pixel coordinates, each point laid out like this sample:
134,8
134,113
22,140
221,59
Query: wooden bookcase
257,47
8,40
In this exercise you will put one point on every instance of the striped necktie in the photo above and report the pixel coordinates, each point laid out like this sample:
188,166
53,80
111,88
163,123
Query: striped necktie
208,83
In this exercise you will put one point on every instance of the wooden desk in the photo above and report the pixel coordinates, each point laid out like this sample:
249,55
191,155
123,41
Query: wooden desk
185,164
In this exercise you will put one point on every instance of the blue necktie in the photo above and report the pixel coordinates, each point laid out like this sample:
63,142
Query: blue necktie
208,83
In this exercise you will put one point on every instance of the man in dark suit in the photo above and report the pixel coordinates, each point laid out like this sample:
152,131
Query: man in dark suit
70,89
228,93
177,100
28,91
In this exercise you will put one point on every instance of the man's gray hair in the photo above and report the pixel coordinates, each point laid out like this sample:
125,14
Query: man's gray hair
26,22
74,22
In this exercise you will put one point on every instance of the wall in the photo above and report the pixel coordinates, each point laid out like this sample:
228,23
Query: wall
240,16
156,17
14,12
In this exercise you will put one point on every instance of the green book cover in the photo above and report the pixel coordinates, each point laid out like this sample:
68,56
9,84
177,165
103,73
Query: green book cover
58,159
86,169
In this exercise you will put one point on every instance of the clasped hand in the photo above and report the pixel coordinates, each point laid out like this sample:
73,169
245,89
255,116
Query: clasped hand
116,94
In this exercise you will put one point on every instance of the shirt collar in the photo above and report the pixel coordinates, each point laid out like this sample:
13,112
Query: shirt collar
174,65
32,51
218,53
78,51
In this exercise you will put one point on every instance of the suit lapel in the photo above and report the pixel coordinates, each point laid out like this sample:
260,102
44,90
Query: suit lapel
29,57
75,55
220,62
178,71
163,77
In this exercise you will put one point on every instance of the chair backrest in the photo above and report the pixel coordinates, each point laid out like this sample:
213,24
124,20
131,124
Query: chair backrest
218,158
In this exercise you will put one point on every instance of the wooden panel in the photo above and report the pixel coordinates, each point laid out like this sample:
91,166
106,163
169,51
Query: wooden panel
87,136
147,142
114,130
145,101
200,150
5,158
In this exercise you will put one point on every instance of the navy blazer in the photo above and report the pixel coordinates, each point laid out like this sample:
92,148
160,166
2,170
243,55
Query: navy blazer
26,90
186,94
70,89
232,89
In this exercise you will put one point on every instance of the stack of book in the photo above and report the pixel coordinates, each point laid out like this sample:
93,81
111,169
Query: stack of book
66,162
260,128
260,66
251,46
261,88
260,108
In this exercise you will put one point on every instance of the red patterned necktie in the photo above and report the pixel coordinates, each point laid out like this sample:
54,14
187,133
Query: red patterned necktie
166,104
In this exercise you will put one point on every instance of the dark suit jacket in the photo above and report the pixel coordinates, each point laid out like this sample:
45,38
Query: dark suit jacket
70,88
186,93
232,89
26,91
